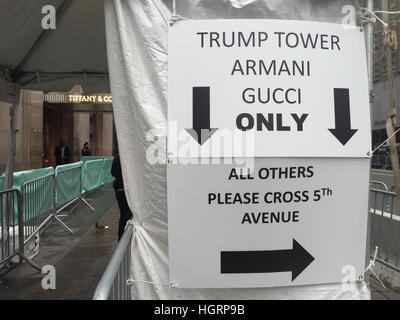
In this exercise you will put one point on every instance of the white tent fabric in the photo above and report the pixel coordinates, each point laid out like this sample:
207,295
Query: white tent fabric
54,60
137,33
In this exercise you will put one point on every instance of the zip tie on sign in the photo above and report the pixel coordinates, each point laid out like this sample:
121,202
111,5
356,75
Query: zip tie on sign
175,17
385,25
380,11
366,18
372,266
131,281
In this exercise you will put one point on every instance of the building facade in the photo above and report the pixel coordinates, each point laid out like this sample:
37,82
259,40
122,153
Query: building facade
42,124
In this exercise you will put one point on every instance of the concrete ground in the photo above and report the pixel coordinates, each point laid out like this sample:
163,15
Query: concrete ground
79,258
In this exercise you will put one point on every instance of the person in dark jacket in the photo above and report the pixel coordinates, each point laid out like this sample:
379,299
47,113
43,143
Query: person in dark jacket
61,153
124,210
85,150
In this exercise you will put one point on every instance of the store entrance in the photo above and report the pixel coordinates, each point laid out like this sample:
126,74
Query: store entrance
75,126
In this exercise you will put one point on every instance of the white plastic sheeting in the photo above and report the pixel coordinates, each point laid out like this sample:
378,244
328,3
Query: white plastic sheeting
137,33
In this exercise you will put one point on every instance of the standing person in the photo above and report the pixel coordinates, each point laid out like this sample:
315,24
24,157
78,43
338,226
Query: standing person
124,210
85,150
61,153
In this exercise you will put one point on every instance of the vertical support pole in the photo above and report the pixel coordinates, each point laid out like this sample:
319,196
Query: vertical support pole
391,119
369,42
21,229
8,175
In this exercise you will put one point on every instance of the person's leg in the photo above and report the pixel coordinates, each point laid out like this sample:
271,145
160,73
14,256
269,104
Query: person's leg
125,212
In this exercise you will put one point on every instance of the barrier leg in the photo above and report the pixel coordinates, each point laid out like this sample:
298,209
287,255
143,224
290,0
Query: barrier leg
47,224
22,257
38,229
73,208
62,224
30,262
87,203
67,205
59,221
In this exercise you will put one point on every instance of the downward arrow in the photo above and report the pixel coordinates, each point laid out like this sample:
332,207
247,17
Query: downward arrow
294,260
342,131
201,130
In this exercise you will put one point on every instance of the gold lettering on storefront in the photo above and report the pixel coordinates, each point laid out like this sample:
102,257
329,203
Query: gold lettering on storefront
95,98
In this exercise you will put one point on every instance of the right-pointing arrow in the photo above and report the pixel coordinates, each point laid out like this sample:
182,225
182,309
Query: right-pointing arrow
294,260
342,131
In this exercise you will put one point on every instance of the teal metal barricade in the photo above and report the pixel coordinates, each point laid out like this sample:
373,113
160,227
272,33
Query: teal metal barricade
46,191
91,158
20,177
38,195
69,185
92,175
38,205
107,177
12,231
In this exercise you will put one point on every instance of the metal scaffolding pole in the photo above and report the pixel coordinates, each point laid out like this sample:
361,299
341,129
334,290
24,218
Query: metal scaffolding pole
14,110
369,40
8,175
391,120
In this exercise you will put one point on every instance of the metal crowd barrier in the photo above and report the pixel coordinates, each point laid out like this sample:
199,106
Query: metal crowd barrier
69,187
380,184
106,176
34,205
113,284
38,205
93,174
12,230
385,228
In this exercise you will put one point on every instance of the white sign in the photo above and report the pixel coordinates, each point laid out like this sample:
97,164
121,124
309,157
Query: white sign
267,88
287,222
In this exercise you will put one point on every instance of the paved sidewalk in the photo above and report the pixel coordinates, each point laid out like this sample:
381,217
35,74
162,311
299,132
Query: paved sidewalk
79,258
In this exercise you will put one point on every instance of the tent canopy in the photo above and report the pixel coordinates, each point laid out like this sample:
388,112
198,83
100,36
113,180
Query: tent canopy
54,60
75,52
